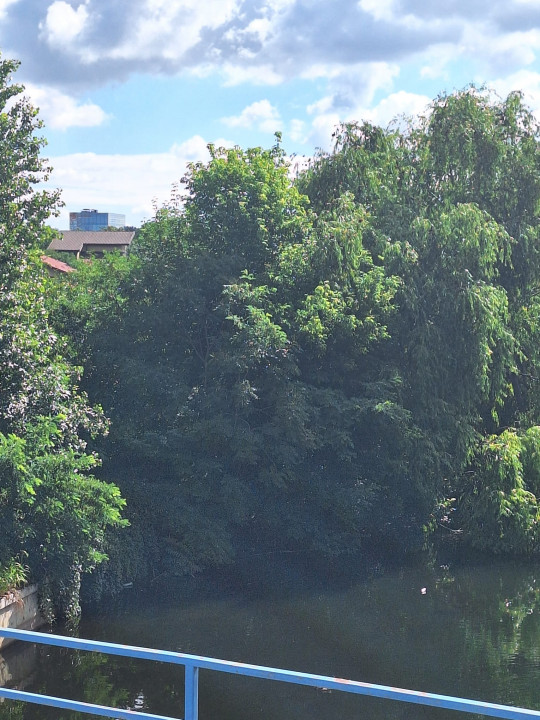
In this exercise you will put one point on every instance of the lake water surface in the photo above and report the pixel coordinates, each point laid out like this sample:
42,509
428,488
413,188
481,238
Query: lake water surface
471,631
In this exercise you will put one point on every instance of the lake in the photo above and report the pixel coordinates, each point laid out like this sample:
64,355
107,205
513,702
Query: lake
469,630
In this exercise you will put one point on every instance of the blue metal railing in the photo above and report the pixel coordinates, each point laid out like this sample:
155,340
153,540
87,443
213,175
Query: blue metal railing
193,663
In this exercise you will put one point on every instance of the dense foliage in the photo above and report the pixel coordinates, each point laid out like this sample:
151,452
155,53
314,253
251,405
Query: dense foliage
332,365
454,203
53,511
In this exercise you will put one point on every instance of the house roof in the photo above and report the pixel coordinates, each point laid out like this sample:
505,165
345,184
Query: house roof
73,243
75,240
57,264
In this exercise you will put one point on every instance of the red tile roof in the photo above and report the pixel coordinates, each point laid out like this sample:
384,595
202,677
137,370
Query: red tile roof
57,264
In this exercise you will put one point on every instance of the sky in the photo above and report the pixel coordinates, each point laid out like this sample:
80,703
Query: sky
130,91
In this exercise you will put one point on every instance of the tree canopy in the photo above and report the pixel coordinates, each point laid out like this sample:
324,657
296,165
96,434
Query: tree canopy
332,364
53,511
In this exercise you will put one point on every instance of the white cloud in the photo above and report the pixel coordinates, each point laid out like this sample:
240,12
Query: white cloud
127,184
278,6
438,61
60,111
355,85
262,41
379,9
63,24
503,53
264,25
193,150
378,76
261,28
352,101
322,128
254,74
297,130
4,4
321,70
169,28
527,81
395,106
322,106
261,115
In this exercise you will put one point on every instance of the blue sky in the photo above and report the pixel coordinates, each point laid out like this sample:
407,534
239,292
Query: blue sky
132,91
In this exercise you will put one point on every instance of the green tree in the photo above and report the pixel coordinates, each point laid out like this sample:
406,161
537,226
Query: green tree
332,364
236,399
54,513
454,201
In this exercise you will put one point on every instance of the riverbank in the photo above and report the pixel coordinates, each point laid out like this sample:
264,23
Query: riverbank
20,609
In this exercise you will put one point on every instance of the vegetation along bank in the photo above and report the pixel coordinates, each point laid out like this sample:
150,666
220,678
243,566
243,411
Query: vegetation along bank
339,364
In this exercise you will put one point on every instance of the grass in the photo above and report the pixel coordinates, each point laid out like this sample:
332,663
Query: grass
12,576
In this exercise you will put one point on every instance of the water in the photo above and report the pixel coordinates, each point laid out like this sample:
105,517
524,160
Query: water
471,631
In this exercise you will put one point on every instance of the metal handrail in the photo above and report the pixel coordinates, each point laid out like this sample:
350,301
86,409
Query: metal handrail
193,663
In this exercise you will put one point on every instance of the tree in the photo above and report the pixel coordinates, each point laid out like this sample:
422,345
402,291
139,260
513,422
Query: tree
241,322
454,202
334,364
54,513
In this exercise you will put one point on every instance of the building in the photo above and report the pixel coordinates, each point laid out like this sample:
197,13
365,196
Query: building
90,243
56,267
93,221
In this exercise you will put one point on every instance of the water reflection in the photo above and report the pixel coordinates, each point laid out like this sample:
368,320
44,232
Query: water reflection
17,664
470,632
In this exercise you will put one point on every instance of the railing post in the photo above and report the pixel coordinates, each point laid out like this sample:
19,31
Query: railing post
191,700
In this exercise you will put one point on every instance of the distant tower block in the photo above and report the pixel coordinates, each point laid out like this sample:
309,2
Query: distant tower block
92,220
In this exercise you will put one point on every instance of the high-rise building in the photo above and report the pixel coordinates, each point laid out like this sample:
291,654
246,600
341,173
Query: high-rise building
92,220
